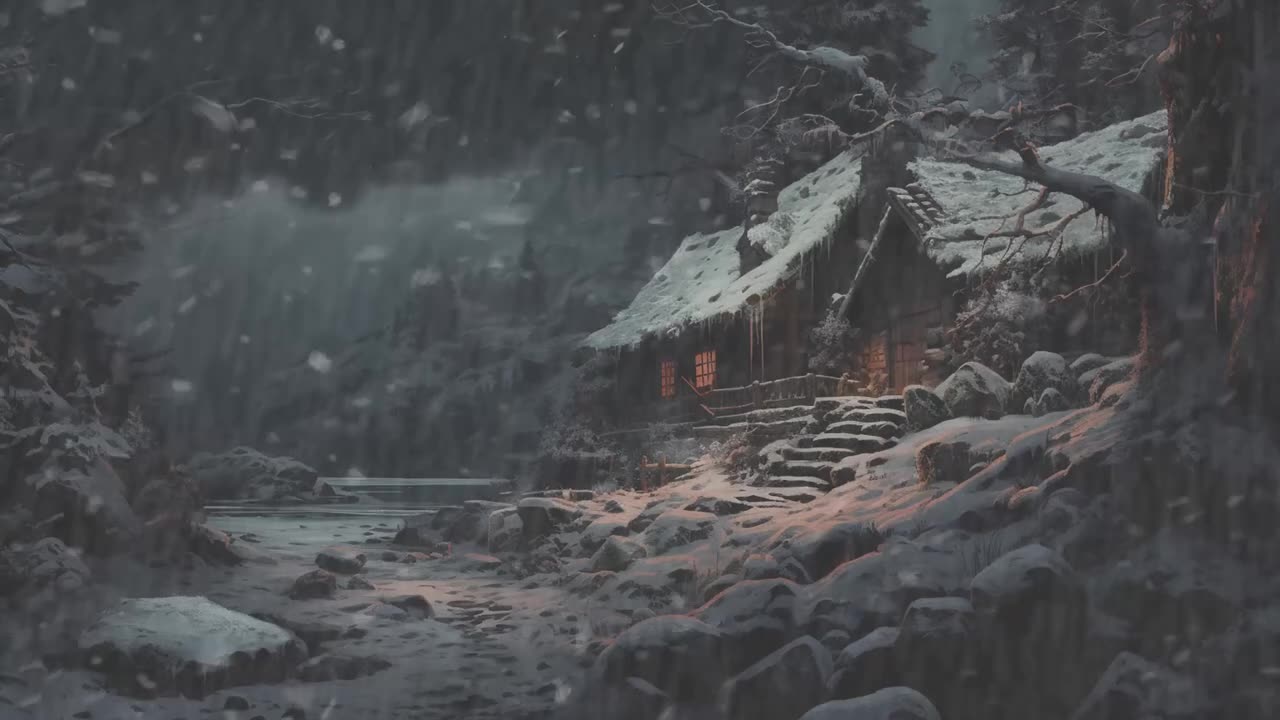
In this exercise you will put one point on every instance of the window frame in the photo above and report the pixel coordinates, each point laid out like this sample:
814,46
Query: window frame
667,379
704,369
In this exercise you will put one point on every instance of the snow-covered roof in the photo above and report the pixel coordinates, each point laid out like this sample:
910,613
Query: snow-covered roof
977,203
701,281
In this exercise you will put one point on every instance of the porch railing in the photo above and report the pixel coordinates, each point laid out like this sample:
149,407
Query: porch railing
783,392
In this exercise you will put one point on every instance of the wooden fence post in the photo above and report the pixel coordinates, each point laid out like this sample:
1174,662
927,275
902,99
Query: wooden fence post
757,395
811,387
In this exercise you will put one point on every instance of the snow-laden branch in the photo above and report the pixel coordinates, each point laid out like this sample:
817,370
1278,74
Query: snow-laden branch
825,57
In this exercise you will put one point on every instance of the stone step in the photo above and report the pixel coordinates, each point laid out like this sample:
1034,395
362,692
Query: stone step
767,415
788,481
797,494
755,432
875,414
802,468
893,402
829,404
820,454
857,427
857,443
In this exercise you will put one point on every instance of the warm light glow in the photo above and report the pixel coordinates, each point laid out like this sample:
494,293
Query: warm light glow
705,370
668,379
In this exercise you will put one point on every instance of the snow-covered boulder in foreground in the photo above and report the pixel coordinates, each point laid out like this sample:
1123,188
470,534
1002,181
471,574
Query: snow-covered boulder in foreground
895,703
784,684
1087,362
755,617
315,584
924,408
677,654
616,554
674,528
934,650
186,645
1031,606
245,473
1041,371
600,530
975,390
865,665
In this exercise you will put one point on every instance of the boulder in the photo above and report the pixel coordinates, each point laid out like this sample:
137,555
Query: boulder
1133,687
719,585
754,617
782,685
675,528
600,530
975,390
357,582
895,703
215,546
677,654
46,565
819,549
247,474
866,665
616,554
1032,615
541,516
613,506
340,560
86,508
934,652
718,506
1099,379
1051,400
505,530
340,667
186,645
642,521
943,461
924,408
632,699
1087,362
1041,371
761,567
313,585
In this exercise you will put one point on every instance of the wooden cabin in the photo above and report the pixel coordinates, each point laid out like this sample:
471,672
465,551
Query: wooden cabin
713,318
949,230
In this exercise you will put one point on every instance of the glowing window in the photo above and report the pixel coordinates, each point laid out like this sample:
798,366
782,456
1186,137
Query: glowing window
668,379
704,366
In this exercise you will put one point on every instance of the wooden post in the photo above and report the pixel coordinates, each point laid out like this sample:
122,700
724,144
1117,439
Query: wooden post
757,394
811,385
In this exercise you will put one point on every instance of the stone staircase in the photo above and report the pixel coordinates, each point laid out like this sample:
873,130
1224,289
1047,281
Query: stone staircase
802,444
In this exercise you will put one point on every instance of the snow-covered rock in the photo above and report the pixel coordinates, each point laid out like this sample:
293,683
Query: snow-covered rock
543,515
1041,371
1098,380
942,461
782,685
675,528
1051,401
1134,687
894,703
819,549
718,506
975,390
1087,362
934,652
616,554
187,645
755,617
341,560
1032,609
44,565
865,665
86,508
678,654
924,408
245,473
505,529
313,585
215,546
599,530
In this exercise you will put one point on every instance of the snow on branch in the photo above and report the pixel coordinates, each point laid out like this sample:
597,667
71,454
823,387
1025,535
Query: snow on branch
823,57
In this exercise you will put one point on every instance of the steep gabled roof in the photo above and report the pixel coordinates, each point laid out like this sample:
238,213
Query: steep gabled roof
701,281
957,211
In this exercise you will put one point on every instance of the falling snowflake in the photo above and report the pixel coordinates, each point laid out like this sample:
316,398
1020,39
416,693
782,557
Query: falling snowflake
181,387
319,362
323,35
